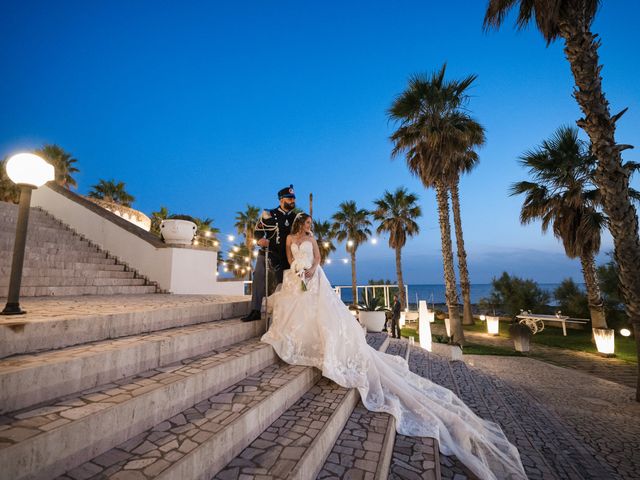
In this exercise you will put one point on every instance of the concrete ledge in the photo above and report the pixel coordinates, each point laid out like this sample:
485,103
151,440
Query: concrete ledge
59,323
27,380
106,424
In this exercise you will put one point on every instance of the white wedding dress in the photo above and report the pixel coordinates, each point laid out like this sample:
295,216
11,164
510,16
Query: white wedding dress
315,328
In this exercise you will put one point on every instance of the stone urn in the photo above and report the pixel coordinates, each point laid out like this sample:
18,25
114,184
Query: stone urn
178,232
521,335
372,321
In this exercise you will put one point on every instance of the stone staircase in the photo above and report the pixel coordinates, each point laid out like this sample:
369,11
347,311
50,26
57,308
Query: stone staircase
59,262
174,387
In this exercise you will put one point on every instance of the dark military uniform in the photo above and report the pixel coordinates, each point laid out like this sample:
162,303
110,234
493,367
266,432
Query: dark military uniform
275,226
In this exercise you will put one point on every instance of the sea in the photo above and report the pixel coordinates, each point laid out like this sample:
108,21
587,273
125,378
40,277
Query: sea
435,293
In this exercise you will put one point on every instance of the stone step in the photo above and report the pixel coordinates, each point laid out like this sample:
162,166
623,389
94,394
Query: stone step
94,264
77,281
51,242
364,447
56,291
35,222
199,441
57,323
56,437
71,273
39,231
27,380
296,445
59,254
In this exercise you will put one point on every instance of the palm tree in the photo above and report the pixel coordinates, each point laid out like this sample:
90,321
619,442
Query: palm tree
324,236
157,218
462,164
63,162
246,222
238,261
9,191
397,213
351,224
563,196
434,132
111,191
571,20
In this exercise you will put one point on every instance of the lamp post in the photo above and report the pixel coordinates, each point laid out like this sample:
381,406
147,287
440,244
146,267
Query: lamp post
28,171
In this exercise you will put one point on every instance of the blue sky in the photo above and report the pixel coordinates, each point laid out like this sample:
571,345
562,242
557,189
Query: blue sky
204,107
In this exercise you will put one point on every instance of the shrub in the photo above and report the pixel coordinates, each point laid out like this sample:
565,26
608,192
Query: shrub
511,294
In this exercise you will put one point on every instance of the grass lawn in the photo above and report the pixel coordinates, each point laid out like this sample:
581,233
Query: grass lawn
580,340
470,348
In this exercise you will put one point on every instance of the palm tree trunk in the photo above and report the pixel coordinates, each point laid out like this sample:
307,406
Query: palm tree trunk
596,304
465,283
581,49
401,293
451,293
354,288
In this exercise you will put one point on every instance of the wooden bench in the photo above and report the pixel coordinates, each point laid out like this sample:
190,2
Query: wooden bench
563,319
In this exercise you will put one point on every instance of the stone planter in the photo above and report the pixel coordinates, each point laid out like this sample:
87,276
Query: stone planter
521,343
450,352
178,232
372,321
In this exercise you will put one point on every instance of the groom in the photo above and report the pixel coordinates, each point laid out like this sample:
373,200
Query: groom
272,231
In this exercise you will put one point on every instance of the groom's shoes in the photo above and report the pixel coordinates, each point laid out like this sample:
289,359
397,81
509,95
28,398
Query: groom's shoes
254,315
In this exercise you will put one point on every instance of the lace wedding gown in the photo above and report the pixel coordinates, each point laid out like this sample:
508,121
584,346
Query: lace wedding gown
314,328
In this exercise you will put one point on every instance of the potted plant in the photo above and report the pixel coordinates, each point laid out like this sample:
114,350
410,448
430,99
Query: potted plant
521,335
178,229
442,346
372,314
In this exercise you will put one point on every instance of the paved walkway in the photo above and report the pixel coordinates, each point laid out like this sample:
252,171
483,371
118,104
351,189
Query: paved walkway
566,424
612,369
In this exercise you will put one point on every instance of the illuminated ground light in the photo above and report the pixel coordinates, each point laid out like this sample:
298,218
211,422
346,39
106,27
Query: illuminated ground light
625,332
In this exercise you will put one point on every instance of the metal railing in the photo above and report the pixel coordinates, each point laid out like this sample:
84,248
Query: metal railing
371,290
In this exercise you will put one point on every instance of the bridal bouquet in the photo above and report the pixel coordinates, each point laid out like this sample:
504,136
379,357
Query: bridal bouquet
301,267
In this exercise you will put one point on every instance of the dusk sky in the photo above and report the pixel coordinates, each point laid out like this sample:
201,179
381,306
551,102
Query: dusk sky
204,107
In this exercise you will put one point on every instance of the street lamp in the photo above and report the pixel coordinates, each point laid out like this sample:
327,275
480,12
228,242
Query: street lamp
27,171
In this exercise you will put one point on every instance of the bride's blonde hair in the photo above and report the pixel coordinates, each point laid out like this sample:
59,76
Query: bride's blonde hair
298,222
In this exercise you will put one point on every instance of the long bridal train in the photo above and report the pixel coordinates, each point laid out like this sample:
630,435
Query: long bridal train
314,328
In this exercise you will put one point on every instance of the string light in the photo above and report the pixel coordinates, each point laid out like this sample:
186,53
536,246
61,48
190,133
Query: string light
325,244
344,260
328,261
255,254
236,249
226,269
207,234
350,243
254,241
374,241
231,238
195,242
230,254
216,243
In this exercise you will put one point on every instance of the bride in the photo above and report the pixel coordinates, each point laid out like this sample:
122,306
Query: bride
311,326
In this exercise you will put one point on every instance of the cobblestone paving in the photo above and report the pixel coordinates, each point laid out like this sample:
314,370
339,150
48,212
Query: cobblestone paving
375,340
46,308
19,362
156,449
357,451
23,424
611,369
277,450
549,447
603,414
